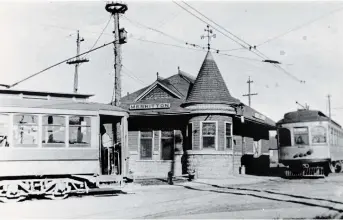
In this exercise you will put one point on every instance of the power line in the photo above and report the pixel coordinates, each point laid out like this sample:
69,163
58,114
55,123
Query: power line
132,75
154,29
173,45
102,32
258,53
207,23
216,24
300,26
59,63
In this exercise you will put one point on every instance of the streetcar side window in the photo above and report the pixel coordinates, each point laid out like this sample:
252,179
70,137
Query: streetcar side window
4,122
79,131
284,136
53,131
25,130
318,135
301,135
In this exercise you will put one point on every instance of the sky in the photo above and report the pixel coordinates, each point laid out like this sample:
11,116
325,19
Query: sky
37,34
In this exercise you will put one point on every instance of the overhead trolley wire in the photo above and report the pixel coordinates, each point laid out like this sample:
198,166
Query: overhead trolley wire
251,48
59,63
300,26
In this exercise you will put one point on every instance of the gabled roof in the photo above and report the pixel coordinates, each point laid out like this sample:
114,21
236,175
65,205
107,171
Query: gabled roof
209,86
169,88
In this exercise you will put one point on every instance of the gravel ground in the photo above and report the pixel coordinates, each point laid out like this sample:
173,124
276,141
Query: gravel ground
238,197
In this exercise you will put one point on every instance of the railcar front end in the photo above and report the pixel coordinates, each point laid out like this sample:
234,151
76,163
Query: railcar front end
305,143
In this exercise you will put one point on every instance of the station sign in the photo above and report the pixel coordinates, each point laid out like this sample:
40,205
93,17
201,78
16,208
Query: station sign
149,106
259,116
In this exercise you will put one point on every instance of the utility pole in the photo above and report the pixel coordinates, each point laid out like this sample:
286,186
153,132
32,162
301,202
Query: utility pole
119,38
249,91
77,61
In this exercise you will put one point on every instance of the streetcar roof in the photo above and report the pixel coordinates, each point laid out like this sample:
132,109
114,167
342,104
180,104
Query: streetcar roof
44,94
305,115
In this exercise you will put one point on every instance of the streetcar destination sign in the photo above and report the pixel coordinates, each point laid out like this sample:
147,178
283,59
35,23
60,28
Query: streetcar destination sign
150,106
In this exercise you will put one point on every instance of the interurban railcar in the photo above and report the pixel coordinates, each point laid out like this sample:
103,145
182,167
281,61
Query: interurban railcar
51,144
310,143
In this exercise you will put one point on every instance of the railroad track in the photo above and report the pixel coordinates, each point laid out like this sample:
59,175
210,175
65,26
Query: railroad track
334,207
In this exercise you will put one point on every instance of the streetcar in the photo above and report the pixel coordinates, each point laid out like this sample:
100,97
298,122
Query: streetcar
310,143
50,145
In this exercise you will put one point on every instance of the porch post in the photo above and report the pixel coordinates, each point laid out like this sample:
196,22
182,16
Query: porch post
124,146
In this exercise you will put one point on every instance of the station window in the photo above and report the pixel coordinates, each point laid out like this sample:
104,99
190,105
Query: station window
79,131
228,135
318,134
284,137
301,135
4,121
25,130
167,145
53,131
146,148
209,134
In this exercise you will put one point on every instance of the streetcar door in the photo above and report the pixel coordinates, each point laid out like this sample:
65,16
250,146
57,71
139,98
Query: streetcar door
109,146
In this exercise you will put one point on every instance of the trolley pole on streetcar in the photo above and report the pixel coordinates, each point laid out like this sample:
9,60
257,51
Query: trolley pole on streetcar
329,100
77,61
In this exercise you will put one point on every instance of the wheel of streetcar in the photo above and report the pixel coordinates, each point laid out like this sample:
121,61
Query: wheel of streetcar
13,194
59,192
335,167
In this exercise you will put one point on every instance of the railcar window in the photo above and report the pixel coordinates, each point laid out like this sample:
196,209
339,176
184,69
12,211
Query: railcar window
301,136
284,136
53,132
79,131
25,130
4,120
318,134
146,145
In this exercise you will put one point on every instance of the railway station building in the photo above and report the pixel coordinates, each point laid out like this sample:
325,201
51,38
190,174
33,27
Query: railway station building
187,124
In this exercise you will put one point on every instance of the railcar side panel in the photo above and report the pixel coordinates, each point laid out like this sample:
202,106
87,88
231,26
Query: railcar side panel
28,168
336,153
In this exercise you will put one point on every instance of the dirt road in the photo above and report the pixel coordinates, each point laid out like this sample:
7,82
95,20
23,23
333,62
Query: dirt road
272,198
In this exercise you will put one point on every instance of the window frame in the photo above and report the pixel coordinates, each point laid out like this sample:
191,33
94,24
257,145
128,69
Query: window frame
66,132
326,135
160,143
308,136
39,130
79,145
225,136
215,136
140,146
7,130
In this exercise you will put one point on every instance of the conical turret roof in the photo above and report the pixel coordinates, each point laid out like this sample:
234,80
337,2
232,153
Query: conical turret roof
209,86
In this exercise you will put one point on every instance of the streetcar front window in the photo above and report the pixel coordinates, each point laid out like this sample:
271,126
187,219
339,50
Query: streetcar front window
284,136
301,136
318,135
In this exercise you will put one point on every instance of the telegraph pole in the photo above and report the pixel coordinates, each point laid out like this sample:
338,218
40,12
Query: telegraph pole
249,91
77,61
119,38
